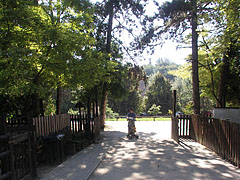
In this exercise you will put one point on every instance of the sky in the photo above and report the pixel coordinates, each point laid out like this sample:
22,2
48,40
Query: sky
168,51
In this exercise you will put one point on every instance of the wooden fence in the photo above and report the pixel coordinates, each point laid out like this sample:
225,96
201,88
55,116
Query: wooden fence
16,157
221,136
184,126
18,144
81,123
5,156
48,125
78,123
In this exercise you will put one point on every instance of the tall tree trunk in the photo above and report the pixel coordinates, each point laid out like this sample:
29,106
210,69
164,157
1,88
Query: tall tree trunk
96,100
222,87
36,109
36,105
108,50
195,77
109,31
103,105
59,100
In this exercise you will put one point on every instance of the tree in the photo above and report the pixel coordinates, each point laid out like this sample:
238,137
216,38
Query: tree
159,93
110,10
46,45
178,16
124,89
219,65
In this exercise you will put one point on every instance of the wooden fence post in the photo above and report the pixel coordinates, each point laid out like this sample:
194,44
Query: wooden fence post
175,133
3,127
174,102
33,158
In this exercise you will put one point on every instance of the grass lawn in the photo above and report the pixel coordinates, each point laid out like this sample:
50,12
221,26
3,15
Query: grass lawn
144,119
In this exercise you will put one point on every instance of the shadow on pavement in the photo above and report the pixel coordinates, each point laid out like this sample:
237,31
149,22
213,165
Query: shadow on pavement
149,158
81,165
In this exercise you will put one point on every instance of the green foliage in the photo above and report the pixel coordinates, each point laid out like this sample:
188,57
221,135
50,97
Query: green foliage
74,112
124,89
155,110
110,113
47,45
188,108
159,93
50,108
131,99
219,57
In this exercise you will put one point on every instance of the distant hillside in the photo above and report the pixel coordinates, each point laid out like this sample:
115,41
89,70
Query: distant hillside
162,66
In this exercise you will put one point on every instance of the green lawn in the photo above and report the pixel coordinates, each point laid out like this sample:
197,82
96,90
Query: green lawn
143,119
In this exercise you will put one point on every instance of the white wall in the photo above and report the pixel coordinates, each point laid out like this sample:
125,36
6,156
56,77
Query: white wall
233,114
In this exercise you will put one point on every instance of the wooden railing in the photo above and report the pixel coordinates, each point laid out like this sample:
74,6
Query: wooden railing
221,136
49,125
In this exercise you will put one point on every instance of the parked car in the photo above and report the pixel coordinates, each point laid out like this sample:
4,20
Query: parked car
179,113
144,114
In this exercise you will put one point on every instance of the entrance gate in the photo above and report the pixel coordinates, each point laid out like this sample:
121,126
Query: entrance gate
182,127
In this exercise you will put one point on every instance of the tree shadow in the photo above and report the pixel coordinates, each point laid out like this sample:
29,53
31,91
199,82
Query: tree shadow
150,158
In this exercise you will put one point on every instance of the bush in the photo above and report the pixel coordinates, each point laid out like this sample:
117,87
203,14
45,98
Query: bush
110,114
155,110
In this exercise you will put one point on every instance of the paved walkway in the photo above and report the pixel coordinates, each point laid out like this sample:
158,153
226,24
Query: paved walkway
154,156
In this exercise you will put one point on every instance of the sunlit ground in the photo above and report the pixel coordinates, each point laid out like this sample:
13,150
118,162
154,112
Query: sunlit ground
142,119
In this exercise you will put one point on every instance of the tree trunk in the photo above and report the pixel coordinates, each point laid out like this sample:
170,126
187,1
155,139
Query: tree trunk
59,100
195,77
36,105
103,106
108,50
96,101
109,31
222,87
36,109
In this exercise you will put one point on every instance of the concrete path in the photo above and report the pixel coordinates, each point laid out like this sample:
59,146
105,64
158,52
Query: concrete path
82,165
153,156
